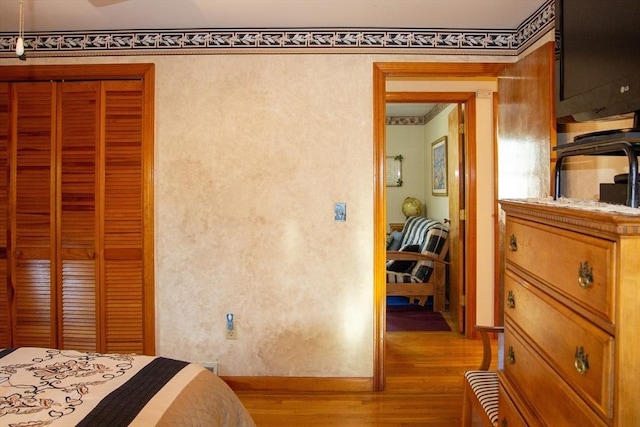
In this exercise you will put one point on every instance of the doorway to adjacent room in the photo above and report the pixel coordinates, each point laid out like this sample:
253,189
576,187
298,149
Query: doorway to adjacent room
384,73
413,129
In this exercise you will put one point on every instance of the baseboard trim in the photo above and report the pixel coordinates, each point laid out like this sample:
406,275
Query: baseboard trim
311,384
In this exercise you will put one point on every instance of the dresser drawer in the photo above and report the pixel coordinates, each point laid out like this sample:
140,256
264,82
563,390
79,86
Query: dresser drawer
565,340
566,261
552,400
508,413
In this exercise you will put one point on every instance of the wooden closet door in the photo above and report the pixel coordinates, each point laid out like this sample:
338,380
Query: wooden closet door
127,326
78,120
32,215
101,252
5,295
76,207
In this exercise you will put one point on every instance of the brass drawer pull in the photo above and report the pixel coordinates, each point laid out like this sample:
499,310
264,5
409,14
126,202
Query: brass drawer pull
511,300
585,275
511,356
581,361
513,243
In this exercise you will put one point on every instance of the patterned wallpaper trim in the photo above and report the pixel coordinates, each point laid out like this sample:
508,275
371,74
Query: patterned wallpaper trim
416,120
350,40
405,120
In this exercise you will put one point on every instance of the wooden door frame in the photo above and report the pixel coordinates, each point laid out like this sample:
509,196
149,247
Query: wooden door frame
381,71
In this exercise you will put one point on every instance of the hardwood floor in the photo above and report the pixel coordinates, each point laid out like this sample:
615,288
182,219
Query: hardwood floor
424,388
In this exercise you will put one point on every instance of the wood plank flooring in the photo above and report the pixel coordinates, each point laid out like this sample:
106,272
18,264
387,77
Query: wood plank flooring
424,388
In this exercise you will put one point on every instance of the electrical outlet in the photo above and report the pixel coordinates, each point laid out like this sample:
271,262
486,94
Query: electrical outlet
232,334
211,366
231,327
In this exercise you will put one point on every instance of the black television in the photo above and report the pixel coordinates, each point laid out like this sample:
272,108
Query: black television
598,60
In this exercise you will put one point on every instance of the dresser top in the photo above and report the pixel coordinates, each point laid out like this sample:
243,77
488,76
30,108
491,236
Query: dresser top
575,213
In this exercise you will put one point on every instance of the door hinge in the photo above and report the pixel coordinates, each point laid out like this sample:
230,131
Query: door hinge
461,128
463,215
463,300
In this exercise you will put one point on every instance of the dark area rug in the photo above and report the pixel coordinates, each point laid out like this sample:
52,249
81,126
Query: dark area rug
414,318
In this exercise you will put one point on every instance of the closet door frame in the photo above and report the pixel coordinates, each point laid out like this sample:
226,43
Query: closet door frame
146,73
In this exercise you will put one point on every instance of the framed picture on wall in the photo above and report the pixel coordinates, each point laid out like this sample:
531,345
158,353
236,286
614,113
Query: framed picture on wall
394,171
439,167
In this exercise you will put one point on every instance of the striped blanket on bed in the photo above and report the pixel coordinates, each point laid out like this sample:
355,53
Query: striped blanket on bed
48,387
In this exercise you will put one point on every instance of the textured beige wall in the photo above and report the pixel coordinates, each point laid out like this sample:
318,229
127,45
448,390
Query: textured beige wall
251,153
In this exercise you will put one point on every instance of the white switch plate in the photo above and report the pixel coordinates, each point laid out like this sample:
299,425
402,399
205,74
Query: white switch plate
340,212
483,93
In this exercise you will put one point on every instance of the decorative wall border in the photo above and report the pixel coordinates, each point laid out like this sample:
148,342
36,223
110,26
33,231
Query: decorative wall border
349,40
405,120
416,120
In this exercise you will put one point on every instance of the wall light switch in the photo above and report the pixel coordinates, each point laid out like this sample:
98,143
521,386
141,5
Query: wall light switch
340,212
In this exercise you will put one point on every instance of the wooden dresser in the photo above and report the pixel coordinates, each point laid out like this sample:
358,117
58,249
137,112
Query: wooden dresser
572,317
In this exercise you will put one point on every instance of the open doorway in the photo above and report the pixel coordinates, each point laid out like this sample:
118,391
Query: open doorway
384,73
413,129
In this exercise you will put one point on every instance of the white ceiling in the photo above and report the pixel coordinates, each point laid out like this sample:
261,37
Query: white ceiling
69,15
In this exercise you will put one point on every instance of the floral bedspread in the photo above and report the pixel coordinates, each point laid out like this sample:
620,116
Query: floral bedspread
49,387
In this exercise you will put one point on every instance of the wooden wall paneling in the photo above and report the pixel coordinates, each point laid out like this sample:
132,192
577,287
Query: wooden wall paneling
32,215
5,291
78,189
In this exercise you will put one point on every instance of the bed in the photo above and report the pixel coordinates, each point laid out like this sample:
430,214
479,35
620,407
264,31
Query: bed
48,387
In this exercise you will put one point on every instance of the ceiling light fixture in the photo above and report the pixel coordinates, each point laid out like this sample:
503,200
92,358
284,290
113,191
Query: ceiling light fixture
20,42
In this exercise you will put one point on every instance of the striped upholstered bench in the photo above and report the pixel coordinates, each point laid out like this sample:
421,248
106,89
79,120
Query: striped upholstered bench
484,385
481,385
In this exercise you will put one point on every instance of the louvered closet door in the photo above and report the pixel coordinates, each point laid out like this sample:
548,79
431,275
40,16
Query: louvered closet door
123,229
78,206
5,321
76,213
101,209
32,214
